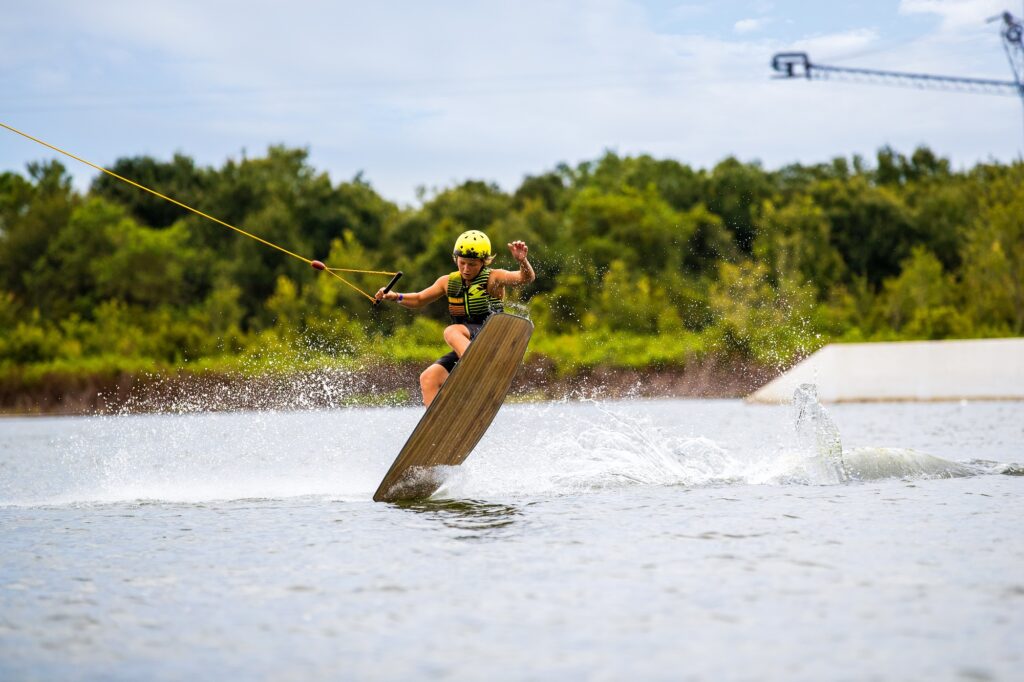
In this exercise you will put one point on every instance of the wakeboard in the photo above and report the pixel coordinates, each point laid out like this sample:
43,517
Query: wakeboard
461,412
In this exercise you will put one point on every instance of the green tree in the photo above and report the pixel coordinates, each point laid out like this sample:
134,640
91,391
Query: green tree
566,308
146,266
62,279
870,226
549,189
31,215
795,241
941,213
178,179
734,191
896,169
753,318
634,226
629,301
707,245
993,259
920,302
679,185
359,209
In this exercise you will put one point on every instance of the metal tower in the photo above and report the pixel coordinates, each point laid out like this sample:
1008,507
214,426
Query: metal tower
799,65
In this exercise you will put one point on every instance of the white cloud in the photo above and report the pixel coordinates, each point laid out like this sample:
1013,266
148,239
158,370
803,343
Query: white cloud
956,15
837,43
416,93
744,26
963,44
689,10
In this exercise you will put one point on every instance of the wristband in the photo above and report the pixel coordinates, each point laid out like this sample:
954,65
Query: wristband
400,297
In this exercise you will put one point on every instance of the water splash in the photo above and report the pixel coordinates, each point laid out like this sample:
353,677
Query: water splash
322,388
825,461
537,449
586,446
872,463
192,458
818,438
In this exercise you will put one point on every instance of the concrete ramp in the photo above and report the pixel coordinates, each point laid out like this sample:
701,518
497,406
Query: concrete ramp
981,369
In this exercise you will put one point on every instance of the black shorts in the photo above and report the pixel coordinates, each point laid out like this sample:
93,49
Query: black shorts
449,360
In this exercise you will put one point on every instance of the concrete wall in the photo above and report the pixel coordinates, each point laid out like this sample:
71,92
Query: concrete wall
983,369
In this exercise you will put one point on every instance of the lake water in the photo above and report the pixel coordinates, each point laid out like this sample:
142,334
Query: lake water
663,540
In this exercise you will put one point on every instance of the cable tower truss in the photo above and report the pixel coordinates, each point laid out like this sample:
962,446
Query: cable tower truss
799,65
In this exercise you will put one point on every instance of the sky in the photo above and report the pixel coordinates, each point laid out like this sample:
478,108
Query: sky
430,94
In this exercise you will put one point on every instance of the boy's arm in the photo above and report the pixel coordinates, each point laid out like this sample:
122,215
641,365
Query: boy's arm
525,273
420,298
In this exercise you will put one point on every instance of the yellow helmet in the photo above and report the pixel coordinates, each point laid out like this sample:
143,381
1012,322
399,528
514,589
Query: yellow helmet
472,244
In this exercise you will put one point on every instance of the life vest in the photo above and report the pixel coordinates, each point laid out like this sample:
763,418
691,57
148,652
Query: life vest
471,304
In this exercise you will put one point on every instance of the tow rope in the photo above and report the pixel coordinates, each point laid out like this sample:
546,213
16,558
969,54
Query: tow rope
315,264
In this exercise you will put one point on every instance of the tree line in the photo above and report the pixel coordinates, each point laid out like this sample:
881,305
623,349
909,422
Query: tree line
641,262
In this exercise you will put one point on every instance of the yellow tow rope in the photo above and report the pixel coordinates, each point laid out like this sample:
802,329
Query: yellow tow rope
314,263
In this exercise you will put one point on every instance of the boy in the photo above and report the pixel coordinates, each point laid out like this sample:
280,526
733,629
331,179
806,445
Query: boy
474,291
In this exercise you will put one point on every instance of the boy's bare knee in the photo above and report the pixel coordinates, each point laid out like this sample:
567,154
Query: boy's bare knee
430,382
435,374
454,331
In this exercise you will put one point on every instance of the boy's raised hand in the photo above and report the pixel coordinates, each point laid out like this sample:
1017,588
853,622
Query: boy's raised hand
518,249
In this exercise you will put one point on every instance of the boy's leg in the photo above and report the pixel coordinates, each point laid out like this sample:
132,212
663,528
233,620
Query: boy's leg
457,336
432,377
430,382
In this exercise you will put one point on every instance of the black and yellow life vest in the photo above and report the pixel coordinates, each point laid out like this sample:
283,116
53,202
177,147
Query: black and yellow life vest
471,304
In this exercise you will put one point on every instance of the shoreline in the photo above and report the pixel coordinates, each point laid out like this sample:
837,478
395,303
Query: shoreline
383,385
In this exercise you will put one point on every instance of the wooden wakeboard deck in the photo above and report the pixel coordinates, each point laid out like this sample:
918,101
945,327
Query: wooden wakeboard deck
462,411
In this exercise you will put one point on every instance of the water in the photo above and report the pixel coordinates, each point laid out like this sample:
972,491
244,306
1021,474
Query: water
660,540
